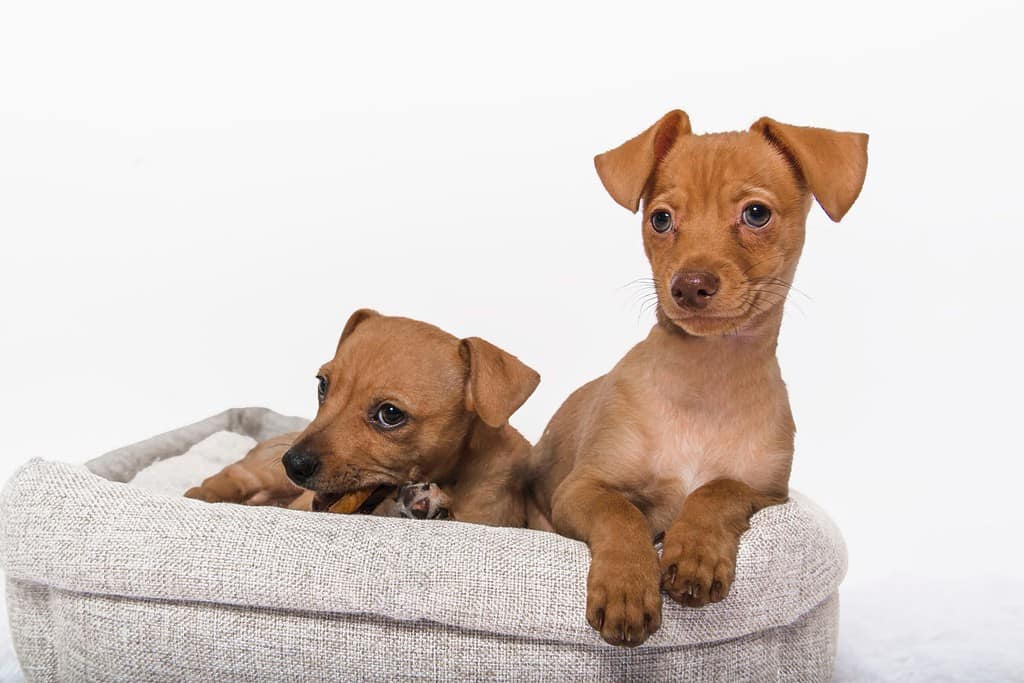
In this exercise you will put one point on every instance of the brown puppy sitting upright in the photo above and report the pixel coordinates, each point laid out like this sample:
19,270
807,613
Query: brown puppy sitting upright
691,433
401,401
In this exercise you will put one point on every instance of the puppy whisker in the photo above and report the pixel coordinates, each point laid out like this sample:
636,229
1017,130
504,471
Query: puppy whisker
779,299
762,262
781,283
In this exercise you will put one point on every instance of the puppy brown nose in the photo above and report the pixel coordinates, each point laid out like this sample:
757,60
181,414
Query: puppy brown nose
694,288
300,465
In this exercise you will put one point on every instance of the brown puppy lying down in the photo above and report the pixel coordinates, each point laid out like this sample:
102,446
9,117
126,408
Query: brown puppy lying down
402,401
260,479
691,432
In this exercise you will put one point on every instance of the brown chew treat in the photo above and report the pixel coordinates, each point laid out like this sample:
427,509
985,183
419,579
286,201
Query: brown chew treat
353,502
414,500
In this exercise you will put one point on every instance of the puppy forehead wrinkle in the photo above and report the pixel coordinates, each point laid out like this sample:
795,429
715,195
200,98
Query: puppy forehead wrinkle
422,393
399,343
668,195
702,162
739,191
423,374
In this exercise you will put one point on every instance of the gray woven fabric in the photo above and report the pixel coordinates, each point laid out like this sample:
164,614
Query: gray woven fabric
76,637
108,582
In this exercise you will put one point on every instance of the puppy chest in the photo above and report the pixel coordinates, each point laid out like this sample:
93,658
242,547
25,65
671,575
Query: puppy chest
684,458
686,454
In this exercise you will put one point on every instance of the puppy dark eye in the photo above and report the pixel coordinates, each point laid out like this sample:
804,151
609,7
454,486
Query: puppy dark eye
661,221
321,388
756,215
389,416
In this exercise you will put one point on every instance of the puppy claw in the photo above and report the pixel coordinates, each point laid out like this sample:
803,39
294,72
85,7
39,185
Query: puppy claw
670,577
623,597
700,574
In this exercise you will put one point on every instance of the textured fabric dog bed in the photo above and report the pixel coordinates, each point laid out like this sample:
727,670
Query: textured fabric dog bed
112,582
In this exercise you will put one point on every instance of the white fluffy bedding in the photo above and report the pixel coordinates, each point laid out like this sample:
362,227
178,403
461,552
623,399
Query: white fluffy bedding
174,476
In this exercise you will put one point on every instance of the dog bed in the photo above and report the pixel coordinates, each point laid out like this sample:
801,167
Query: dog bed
108,581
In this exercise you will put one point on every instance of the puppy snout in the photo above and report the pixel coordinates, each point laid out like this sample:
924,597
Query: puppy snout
300,465
693,289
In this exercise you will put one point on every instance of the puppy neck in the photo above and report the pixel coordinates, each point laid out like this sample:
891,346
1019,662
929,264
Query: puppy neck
484,442
480,445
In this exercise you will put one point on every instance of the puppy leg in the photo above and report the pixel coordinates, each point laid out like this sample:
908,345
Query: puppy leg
623,597
257,479
698,560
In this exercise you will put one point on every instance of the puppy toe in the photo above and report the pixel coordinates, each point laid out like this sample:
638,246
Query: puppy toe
698,573
200,493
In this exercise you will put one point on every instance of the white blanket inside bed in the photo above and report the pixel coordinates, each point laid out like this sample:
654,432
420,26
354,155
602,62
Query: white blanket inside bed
176,475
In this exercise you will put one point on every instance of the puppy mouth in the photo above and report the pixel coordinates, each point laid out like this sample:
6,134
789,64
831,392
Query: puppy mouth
683,314
678,314
360,501
714,322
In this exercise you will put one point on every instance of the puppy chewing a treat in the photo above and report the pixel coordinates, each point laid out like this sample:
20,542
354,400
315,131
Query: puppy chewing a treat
414,500
411,422
691,433
258,479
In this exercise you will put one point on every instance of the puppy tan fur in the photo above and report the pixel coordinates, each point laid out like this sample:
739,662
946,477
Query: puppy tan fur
691,432
401,401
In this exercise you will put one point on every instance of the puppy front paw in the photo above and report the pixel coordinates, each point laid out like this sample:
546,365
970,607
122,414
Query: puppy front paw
204,494
421,501
698,566
623,598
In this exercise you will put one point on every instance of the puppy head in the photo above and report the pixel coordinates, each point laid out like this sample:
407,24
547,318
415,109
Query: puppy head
397,403
724,214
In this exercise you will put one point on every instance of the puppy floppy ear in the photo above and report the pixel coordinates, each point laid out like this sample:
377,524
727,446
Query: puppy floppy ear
832,163
497,383
626,170
354,320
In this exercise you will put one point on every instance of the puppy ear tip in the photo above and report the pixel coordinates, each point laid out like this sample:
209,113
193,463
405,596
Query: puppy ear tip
682,117
836,214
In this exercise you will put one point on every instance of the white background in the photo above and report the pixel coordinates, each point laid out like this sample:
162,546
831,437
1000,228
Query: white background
194,196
